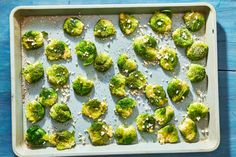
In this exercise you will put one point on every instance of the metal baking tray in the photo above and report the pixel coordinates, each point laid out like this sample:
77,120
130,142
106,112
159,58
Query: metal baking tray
50,19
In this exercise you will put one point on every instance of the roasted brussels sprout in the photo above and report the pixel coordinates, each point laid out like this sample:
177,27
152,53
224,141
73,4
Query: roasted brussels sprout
125,134
136,80
128,23
57,74
196,73
194,20
156,95
60,113
32,40
177,90
47,96
182,37
57,49
188,130
82,86
100,133
117,85
86,52
164,115
146,122
169,58
62,140
104,28
73,26
34,111
168,134
125,107
125,64
94,108
197,51
103,62
33,72
35,136
160,23
197,111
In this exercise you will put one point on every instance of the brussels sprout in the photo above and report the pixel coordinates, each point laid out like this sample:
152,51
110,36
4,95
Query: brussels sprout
35,136
156,95
57,74
117,85
103,62
104,28
73,26
177,90
32,40
47,96
62,140
146,122
125,134
194,21
125,106
169,58
125,64
136,80
86,52
145,47
57,49
60,113
168,134
160,23
33,72
82,86
197,51
164,115
182,37
100,133
197,110
34,111
188,130
196,73
128,23
94,108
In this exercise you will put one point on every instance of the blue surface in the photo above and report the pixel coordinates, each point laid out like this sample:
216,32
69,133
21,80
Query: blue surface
226,25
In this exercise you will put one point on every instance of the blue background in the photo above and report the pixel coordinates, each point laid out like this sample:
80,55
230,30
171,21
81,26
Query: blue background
226,26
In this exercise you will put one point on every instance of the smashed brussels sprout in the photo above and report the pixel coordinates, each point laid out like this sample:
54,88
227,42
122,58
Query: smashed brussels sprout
125,107
100,133
125,64
34,111
177,90
128,23
57,74
156,95
82,86
125,134
86,52
104,28
194,21
146,122
164,115
60,113
196,73
47,96
168,134
73,26
62,140
33,72
197,111
103,62
188,130
160,23
182,37
168,58
136,80
35,136
94,108
117,85
32,40
197,51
